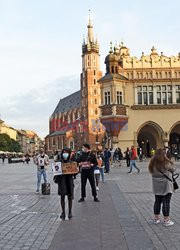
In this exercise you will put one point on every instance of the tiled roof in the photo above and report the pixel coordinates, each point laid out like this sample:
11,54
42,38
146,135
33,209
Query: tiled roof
57,133
69,102
111,76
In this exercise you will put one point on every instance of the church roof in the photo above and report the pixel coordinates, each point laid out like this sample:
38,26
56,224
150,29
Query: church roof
69,102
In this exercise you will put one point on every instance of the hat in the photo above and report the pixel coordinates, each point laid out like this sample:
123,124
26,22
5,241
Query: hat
86,146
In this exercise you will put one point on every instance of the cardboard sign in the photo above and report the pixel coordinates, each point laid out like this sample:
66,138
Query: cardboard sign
57,168
69,168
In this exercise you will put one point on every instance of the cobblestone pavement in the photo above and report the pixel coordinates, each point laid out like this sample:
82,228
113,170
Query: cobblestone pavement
122,220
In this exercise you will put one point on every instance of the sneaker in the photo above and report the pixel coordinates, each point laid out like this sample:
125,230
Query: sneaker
81,200
97,188
37,191
156,221
139,171
96,199
168,223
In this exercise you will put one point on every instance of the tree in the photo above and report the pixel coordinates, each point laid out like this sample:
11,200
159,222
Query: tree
8,144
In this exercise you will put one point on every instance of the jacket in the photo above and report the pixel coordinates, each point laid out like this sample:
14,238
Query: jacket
160,184
41,161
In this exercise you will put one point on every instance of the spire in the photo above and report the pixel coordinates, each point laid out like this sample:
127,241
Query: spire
90,29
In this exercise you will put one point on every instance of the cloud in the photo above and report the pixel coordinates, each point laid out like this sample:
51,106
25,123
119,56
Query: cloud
31,110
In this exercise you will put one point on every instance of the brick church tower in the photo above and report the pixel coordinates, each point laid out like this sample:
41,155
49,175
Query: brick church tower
90,88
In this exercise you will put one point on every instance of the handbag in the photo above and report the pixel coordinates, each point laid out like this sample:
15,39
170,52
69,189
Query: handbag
174,177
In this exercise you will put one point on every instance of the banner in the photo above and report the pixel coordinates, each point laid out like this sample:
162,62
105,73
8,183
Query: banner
57,168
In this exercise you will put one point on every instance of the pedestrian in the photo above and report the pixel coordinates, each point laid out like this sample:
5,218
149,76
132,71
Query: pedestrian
152,152
97,174
127,156
160,167
175,152
107,156
140,154
3,157
42,161
168,153
120,156
65,184
100,160
133,160
87,161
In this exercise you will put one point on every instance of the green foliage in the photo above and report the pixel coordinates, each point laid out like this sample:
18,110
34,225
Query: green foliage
8,144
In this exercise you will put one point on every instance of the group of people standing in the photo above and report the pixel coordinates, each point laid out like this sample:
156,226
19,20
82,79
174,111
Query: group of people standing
91,166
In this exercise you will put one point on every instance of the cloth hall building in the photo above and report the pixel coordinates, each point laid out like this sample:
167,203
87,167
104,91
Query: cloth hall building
136,102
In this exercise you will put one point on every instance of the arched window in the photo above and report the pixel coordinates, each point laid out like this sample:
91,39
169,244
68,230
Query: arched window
96,112
116,70
95,92
95,101
112,69
94,81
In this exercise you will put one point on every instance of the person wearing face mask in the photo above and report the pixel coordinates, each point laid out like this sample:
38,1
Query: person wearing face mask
65,185
87,161
42,161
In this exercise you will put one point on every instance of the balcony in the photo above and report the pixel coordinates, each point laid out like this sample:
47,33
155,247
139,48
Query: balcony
113,110
114,118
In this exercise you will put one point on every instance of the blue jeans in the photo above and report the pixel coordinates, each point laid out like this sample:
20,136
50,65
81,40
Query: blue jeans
133,163
102,173
39,174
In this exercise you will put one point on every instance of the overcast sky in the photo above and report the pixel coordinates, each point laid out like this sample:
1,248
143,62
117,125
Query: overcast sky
40,48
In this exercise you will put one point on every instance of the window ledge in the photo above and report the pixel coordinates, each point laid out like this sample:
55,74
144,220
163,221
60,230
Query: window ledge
155,106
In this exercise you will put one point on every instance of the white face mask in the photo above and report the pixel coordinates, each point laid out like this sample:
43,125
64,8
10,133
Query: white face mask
65,156
83,150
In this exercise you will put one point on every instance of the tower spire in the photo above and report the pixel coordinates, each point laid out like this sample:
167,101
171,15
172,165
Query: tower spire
90,29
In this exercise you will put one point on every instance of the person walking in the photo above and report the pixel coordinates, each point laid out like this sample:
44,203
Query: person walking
127,156
100,160
65,183
133,160
87,161
160,167
120,156
42,161
107,156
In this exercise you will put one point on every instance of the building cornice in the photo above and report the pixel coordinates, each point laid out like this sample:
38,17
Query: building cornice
152,107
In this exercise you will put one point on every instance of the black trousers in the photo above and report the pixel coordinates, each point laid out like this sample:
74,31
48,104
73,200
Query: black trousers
88,174
128,162
165,201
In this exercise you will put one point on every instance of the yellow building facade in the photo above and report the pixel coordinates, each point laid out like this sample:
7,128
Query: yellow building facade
5,129
140,99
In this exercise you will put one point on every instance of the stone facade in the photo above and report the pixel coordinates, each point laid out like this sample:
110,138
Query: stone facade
140,99
137,102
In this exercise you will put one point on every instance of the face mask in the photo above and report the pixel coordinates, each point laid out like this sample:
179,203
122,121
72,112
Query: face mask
83,150
65,155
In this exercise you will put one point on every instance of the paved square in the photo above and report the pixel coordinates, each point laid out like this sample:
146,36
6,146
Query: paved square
122,220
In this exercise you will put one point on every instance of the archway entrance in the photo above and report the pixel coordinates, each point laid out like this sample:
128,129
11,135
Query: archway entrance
150,137
174,142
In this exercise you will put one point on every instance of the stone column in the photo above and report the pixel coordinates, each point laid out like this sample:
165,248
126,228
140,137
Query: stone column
115,142
135,95
154,94
174,94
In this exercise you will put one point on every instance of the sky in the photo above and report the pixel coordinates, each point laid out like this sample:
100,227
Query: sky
40,48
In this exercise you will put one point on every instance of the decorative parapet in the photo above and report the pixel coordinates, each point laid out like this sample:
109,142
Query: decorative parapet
154,60
148,107
114,109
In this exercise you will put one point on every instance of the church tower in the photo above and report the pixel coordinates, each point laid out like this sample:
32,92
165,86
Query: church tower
90,88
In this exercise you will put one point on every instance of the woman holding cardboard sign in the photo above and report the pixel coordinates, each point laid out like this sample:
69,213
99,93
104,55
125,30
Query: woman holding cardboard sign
65,184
